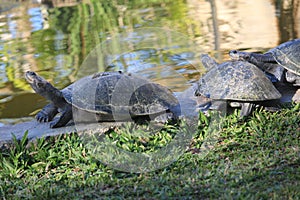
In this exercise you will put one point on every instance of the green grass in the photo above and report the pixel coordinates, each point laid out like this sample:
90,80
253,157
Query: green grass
254,159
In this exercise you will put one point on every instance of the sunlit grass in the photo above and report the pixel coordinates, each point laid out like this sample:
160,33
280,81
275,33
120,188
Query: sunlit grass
255,158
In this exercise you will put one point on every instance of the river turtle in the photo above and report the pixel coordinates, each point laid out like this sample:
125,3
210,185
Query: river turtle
110,96
286,55
235,81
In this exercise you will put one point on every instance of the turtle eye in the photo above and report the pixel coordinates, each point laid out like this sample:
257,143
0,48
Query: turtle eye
233,51
247,57
31,73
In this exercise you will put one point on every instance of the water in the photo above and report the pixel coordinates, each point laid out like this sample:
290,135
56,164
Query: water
157,39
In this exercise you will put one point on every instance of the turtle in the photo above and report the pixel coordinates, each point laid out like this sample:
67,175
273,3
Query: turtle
104,96
285,56
235,81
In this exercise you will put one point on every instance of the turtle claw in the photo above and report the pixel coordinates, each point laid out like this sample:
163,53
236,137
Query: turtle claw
65,117
47,113
54,124
42,117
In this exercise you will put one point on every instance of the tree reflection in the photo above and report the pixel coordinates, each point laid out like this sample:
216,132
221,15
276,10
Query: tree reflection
287,11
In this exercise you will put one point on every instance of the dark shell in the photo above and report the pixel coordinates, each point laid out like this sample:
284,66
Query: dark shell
236,80
117,93
288,55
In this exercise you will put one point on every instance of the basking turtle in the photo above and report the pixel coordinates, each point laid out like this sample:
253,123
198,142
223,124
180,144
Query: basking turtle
286,55
235,81
106,96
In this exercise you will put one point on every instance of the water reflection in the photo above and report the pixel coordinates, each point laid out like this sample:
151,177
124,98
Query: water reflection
288,19
149,52
55,37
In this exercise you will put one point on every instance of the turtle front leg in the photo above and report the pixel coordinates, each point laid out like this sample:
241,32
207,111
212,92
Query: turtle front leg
47,113
247,109
292,78
296,97
65,117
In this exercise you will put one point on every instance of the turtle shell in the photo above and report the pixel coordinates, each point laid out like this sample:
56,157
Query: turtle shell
236,80
118,93
287,55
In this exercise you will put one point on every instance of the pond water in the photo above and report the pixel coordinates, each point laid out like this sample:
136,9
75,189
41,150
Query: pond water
158,39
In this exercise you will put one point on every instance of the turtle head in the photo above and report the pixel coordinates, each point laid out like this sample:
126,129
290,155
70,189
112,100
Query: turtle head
41,86
207,61
239,55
